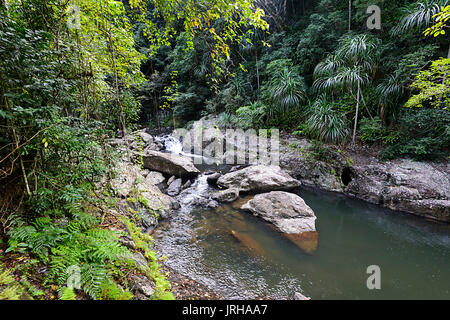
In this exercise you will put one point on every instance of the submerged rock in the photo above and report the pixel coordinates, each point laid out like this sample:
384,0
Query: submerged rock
258,178
248,242
289,214
172,164
228,195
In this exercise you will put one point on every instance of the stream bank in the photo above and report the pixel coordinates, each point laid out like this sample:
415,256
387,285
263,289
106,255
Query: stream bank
197,224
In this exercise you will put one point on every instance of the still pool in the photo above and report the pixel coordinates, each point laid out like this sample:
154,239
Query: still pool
412,253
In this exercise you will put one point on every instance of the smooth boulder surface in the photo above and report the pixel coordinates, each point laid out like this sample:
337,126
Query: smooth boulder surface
175,187
258,178
172,164
414,187
289,214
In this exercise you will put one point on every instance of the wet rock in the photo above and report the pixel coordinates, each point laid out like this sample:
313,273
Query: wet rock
212,178
186,185
289,214
228,195
258,178
172,164
212,204
174,188
307,241
248,242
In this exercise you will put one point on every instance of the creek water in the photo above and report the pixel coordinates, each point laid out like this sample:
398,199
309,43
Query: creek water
413,254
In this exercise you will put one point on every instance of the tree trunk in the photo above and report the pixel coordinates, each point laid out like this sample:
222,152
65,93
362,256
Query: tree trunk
356,116
257,69
349,15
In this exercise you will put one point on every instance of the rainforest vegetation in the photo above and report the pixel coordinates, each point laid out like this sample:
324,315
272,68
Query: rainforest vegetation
75,74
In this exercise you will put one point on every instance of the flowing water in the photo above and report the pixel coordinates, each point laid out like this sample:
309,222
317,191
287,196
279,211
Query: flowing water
412,253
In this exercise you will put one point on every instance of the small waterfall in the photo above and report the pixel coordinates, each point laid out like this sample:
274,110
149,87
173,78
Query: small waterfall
175,146
197,194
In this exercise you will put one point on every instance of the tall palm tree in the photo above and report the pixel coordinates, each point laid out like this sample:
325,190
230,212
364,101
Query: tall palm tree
349,69
286,90
419,14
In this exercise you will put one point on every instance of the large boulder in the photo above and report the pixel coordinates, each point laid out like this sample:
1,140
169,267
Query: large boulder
123,183
155,201
172,164
258,178
297,157
414,187
289,214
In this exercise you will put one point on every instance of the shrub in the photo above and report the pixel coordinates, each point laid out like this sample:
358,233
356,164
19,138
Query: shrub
325,123
423,134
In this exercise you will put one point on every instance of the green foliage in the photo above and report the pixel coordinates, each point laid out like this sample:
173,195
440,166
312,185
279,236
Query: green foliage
418,139
325,123
285,89
110,291
372,131
67,294
434,86
441,18
251,116
9,288
93,250
143,242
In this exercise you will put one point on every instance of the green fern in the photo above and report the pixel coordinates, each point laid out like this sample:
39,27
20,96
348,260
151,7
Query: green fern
67,294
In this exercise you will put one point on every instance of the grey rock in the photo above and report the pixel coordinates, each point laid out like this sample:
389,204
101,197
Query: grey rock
286,211
127,174
156,201
174,188
144,286
258,178
212,204
212,178
154,178
414,187
228,195
186,185
172,164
